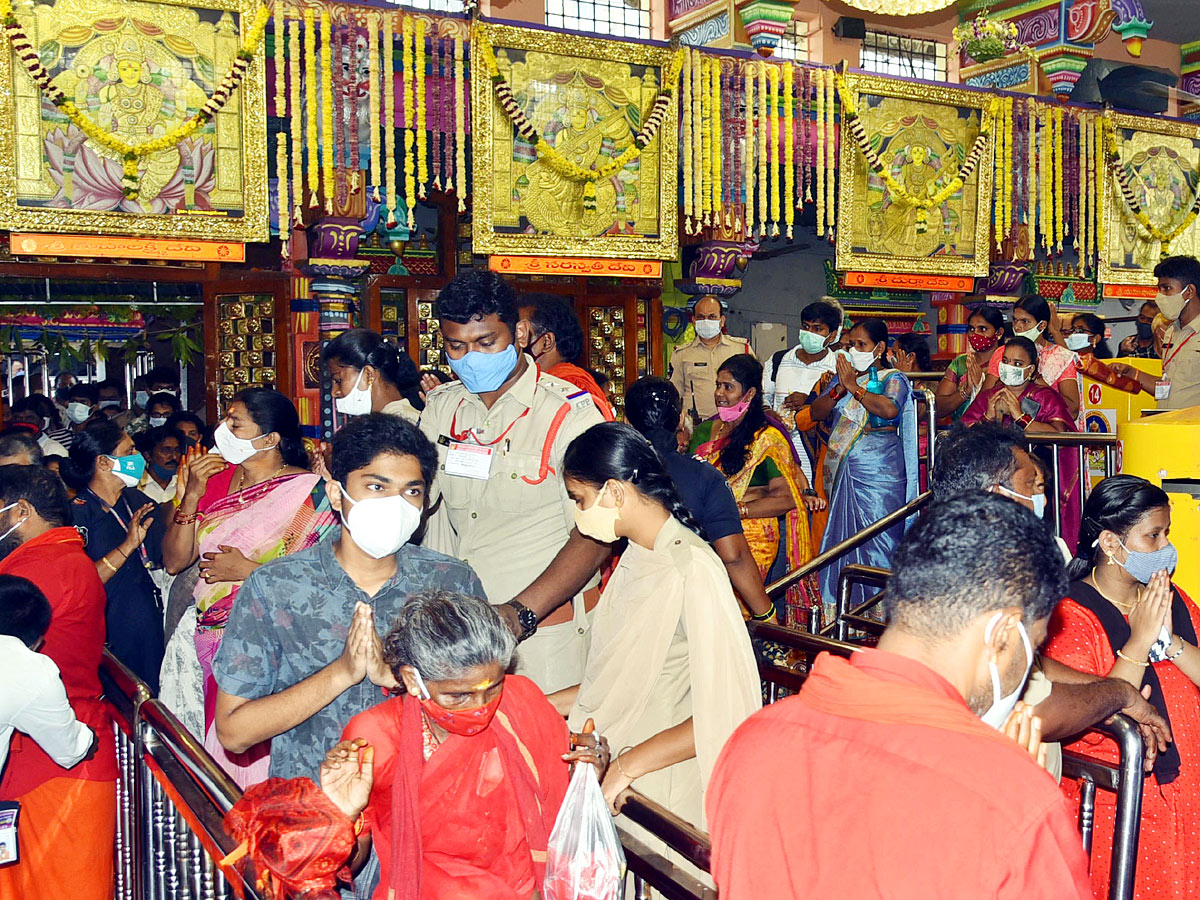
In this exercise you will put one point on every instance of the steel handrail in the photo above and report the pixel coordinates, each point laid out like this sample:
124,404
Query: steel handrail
1071,438
1126,781
848,578
853,542
684,838
795,639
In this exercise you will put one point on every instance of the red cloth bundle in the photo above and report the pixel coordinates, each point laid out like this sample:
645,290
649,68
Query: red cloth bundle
298,840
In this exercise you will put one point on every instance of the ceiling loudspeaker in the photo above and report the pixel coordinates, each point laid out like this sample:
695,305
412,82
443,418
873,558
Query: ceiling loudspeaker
849,29
1136,88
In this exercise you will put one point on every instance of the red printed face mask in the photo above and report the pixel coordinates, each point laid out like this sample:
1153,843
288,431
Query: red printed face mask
981,342
464,722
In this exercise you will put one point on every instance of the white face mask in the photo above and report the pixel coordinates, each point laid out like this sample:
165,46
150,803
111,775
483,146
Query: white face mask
1013,376
708,328
78,412
996,714
1171,305
598,522
234,449
1079,341
357,402
380,525
1031,335
861,360
1038,500
156,421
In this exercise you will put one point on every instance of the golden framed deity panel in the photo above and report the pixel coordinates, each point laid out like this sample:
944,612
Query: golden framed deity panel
922,133
138,69
1161,160
587,98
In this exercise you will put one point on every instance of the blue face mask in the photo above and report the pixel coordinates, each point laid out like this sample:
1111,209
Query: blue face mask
1038,500
164,472
129,469
482,373
1144,566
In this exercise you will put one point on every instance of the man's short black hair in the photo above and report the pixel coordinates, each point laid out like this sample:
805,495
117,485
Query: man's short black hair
824,312
81,391
163,397
363,438
554,315
15,441
24,610
162,375
38,487
1184,269
147,442
969,555
476,294
975,458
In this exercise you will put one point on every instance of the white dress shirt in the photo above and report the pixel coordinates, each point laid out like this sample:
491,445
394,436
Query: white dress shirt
34,702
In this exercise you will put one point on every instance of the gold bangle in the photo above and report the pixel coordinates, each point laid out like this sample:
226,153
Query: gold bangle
1130,659
621,768
104,559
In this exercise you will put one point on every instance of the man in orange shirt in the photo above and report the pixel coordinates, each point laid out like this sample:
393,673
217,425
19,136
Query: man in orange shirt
902,784
68,816
556,341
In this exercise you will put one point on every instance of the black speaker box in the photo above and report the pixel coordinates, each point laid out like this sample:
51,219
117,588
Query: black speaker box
1136,88
850,29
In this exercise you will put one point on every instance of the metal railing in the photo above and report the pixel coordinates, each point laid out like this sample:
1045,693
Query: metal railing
1125,780
649,868
837,551
171,799
926,397
850,577
1078,443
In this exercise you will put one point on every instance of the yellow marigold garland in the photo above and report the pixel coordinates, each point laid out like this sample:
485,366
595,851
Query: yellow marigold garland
698,144
374,112
717,148
407,38
998,185
789,149
296,125
773,146
820,161
899,194
460,123
328,169
311,97
831,151
706,137
131,153
391,190
687,142
419,88
283,201
279,18
748,166
1009,160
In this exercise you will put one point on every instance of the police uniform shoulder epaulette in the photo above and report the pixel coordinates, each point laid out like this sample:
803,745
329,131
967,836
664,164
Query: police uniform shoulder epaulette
564,391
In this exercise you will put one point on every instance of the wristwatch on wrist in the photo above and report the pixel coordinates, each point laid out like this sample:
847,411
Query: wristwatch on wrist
526,617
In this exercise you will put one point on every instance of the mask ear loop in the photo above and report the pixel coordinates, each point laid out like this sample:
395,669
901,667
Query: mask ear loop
421,684
994,661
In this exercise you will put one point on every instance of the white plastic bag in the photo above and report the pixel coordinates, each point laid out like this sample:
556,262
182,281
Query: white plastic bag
584,860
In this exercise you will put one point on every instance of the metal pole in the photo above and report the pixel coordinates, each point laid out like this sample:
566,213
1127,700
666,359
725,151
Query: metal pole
1087,812
1057,490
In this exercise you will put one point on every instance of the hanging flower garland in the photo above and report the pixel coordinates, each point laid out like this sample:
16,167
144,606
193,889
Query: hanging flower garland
131,154
686,148
820,160
420,132
297,131
773,146
558,163
460,123
373,110
698,148
1164,238
789,151
706,139
831,144
407,37
327,166
748,155
283,201
715,141
898,192
391,191
1009,160
311,97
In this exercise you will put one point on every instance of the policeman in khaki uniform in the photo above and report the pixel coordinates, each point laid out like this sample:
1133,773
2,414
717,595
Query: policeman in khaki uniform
501,432
694,366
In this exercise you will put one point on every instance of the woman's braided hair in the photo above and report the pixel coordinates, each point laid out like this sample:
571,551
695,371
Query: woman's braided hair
613,451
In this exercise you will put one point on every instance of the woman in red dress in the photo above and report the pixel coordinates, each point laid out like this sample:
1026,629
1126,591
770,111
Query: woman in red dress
1124,619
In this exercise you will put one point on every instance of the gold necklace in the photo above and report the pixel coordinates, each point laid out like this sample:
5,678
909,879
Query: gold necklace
242,480
1126,608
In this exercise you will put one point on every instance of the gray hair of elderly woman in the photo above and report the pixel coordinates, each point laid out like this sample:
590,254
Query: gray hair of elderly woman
443,635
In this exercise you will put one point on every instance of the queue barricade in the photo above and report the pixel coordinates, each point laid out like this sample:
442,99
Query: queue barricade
171,800
1078,444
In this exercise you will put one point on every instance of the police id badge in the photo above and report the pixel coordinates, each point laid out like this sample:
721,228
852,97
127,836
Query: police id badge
10,811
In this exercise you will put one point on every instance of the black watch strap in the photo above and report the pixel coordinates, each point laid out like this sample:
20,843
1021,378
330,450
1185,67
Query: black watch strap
526,617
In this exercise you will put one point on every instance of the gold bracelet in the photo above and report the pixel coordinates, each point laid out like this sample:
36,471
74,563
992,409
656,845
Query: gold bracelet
621,768
104,559
1130,659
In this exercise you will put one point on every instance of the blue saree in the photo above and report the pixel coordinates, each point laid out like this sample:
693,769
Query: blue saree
868,474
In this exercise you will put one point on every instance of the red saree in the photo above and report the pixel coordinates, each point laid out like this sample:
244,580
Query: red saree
485,805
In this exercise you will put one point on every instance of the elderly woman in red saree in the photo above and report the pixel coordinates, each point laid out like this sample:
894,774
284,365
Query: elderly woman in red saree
249,502
459,780
1020,399
754,453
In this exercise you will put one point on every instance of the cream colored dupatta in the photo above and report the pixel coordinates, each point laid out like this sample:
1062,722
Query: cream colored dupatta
669,642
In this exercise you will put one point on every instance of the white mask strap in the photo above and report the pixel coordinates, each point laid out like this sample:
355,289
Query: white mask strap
421,684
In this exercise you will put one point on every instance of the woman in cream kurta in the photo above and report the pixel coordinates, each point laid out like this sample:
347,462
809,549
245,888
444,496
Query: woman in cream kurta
670,673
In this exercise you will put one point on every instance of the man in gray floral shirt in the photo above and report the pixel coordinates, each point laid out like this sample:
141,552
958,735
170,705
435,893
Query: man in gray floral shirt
301,654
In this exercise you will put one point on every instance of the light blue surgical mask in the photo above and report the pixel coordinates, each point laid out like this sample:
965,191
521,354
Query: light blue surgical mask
129,469
1038,500
482,373
1143,566
811,342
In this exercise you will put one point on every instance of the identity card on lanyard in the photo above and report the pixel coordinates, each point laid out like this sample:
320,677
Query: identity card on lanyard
9,851
469,460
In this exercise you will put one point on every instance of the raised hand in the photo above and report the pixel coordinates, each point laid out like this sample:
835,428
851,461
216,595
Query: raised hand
1026,729
139,527
348,774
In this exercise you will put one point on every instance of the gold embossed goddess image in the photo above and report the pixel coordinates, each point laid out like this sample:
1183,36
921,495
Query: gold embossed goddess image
590,116
137,70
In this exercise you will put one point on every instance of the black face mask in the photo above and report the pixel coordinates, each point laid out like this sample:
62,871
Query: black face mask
1145,331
